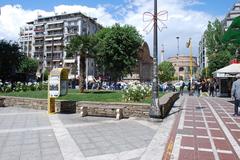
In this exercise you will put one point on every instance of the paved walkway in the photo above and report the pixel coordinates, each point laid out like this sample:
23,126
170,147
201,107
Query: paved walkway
205,129
197,128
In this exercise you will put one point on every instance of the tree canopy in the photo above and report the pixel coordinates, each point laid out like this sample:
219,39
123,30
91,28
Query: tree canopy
10,59
218,51
232,35
118,50
28,65
213,36
83,45
166,71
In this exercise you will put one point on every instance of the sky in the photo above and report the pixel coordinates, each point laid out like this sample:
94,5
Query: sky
186,18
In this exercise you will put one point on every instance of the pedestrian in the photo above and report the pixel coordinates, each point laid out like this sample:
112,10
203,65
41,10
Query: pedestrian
235,94
197,88
211,88
204,87
189,88
182,85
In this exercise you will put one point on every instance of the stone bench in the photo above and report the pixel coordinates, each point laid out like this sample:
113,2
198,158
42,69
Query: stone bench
2,102
118,110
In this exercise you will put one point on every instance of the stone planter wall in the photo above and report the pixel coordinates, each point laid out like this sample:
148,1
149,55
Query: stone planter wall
96,108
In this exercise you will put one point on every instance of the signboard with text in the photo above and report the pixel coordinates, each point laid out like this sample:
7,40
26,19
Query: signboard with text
58,82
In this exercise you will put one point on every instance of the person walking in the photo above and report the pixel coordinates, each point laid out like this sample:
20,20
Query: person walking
204,87
211,88
182,85
235,94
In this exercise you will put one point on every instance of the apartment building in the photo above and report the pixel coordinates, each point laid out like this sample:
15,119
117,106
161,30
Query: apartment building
26,37
46,38
233,13
203,58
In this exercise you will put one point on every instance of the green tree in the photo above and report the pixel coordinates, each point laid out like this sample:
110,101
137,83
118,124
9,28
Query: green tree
10,58
166,71
118,50
28,65
213,36
219,60
84,46
232,36
218,51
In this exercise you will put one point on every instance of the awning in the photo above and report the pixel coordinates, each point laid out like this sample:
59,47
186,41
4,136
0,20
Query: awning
69,61
55,22
55,38
228,71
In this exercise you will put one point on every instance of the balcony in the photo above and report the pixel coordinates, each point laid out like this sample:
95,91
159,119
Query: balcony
55,58
53,28
38,35
54,51
39,30
38,43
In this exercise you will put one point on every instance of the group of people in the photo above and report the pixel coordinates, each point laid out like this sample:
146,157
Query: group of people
210,88
200,87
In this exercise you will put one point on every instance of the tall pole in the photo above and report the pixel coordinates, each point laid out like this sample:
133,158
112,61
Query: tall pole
52,54
154,110
191,61
178,56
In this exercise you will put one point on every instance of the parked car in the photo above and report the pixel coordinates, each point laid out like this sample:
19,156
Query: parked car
168,87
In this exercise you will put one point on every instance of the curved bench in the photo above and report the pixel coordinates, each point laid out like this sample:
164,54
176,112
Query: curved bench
166,103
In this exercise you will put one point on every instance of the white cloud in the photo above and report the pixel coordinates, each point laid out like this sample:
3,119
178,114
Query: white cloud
182,21
13,17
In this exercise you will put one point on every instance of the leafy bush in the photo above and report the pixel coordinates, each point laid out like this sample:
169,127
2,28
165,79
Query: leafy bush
137,92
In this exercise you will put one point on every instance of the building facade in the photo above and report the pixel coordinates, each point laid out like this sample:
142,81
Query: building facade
46,37
26,40
182,66
143,70
203,58
233,13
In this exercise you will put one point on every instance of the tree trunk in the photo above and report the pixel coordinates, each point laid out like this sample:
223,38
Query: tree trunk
82,73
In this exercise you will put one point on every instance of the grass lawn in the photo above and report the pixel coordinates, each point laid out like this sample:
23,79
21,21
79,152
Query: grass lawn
73,94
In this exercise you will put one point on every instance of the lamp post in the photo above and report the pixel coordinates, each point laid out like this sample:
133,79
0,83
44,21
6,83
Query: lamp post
178,56
154,109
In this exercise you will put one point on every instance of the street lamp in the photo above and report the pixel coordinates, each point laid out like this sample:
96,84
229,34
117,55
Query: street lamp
178,56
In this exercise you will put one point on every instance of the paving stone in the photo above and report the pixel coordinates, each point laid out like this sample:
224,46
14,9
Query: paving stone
50,151
91,152
86,146
50,144
10,156
10,149
30,157
52,157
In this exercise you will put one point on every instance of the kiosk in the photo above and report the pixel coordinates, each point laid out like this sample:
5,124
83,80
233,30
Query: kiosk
57,86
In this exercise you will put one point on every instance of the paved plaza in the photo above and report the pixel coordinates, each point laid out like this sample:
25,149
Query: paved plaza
197,128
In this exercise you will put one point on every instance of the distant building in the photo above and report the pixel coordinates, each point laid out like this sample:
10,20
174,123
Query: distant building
226,22
143,69
26,40
183,64
203,58
233,13
46,37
